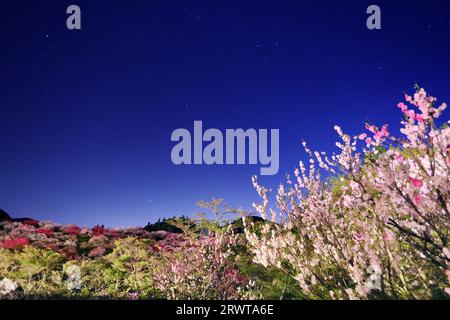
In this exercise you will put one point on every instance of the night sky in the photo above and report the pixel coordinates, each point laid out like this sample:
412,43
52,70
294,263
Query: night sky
86,116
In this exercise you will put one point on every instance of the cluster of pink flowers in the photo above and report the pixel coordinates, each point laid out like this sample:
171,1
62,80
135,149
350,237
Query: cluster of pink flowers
203,269
379,135
70,240
168,242
380,226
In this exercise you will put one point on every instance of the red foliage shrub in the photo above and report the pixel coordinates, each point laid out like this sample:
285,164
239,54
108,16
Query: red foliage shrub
14,244
112,233
45,231
31,222
72,230
98,231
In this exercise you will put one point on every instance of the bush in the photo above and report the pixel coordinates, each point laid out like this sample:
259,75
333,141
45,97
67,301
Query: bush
379,227
203,269
38,272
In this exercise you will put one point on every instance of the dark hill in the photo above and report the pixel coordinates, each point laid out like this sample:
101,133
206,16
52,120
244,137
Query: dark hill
4,216
238,224
166,225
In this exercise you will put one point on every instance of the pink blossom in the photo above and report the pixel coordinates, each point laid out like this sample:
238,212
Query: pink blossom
402,106
388,236
358,236
98,230
411,114
416,182
45,231
362,136
371,128
75,230
408,97
419,118
400,158
99,251
418,199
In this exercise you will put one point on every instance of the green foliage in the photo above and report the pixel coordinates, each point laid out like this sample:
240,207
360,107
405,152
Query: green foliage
221,213
37,271
130,268
271,283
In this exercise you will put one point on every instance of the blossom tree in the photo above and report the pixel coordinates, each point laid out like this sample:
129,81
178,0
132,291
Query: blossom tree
371,221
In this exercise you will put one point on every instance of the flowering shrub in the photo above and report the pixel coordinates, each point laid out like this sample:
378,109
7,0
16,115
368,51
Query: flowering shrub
47,232
8,289
17,243
98,230
72,230
202,269
376,224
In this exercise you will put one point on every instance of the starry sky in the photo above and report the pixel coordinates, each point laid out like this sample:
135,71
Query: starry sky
86,116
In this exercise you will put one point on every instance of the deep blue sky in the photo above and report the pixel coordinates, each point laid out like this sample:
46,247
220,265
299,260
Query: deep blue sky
86,116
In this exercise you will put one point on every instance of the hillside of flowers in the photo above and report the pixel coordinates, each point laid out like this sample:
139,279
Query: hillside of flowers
43,260
369,222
